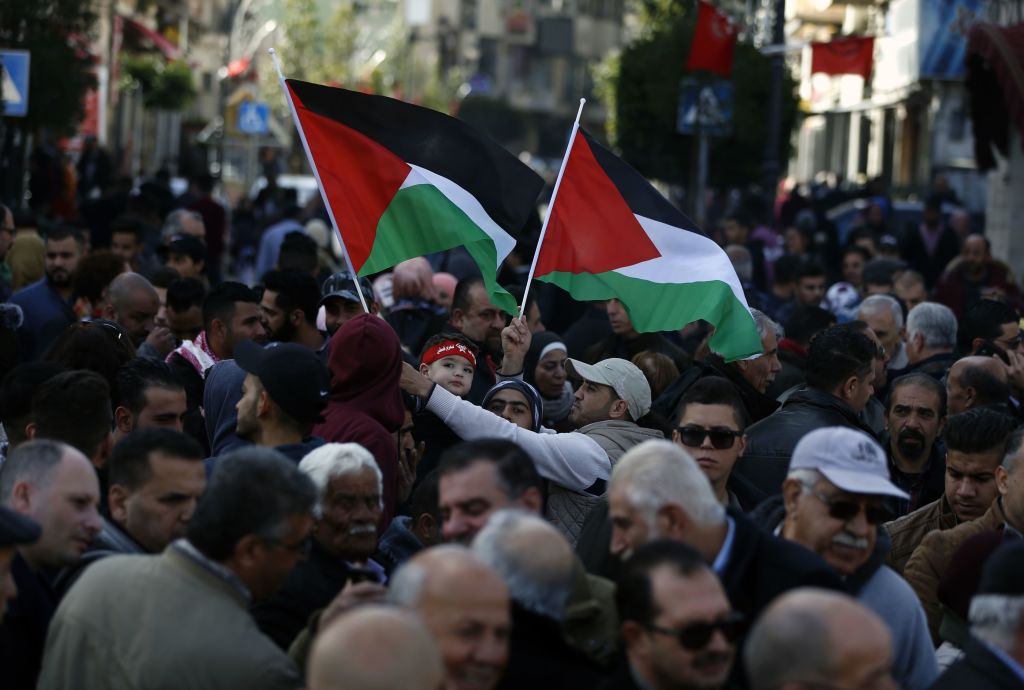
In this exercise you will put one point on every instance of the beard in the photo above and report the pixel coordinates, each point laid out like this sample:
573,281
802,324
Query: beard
911,444
284,334
59,277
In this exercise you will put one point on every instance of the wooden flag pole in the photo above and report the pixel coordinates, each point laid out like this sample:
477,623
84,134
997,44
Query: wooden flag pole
316,174
551,205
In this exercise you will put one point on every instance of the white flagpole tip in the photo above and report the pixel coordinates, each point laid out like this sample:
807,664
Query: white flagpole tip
271,51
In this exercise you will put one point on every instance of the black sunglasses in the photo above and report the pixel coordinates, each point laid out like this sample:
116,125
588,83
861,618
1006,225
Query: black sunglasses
695,636
693,436
845,509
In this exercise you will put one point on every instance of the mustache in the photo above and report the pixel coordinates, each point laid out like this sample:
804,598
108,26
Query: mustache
911,434
846,539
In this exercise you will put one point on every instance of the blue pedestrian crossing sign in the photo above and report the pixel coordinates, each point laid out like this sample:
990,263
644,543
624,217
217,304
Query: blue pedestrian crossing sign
15,82
705,107
253,117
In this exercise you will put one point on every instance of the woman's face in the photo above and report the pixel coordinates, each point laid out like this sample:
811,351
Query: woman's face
550,373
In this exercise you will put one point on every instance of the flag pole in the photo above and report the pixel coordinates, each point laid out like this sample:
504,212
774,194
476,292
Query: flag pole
551,204
316,174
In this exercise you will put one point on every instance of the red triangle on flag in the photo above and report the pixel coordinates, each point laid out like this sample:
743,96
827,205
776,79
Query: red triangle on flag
591,228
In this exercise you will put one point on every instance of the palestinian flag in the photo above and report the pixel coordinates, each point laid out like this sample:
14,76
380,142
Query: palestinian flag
402,181
611,234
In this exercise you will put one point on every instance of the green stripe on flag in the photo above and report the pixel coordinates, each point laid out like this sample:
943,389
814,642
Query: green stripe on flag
421,220
670,306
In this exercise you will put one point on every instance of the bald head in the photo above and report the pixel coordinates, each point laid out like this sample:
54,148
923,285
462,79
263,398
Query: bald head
974,381
534,559
413,279
464,603
133,302
813,636
357,652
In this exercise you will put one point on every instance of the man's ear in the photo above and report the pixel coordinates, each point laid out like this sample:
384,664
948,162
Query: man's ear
103,452
457,317
532,500
634,637
108,311
297,317
30,431
21,497
619,410
1002,480
218,328
265,404
671,521
792,489
123,419
742,440
848,387
976,343
426,529
117,499
247,553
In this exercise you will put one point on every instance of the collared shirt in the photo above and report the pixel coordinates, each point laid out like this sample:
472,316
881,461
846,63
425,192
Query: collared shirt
722,559
184,547
1008,660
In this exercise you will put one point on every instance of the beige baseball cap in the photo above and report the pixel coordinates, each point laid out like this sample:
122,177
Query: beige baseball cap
625,378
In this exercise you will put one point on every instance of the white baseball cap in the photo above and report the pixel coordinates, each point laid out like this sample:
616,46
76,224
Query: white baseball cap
625,378
848,458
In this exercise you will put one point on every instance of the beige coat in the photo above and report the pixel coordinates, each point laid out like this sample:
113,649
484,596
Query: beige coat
928,564
160,623
908,531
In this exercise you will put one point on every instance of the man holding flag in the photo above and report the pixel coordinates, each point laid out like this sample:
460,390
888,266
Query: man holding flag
612,397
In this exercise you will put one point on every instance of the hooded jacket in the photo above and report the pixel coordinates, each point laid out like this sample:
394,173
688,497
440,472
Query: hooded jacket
221,394
365,407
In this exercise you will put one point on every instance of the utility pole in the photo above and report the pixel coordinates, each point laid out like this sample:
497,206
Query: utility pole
772,166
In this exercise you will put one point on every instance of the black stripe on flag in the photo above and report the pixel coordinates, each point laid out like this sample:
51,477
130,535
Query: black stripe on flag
640,195
505,187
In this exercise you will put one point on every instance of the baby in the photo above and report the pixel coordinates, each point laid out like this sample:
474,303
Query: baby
449,361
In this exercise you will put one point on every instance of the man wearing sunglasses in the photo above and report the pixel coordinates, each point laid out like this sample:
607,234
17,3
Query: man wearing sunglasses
711,423
834,501
657,490
678,628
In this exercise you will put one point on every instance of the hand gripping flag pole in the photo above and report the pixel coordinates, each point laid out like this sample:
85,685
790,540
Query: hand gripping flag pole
319,184
551,205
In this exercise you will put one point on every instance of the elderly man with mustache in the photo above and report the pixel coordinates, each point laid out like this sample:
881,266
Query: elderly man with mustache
344,537
834,503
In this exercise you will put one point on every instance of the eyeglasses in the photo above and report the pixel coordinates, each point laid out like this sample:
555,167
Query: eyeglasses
696,636
845,509
693,436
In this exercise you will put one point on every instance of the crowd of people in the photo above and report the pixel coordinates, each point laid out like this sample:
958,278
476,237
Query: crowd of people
287,475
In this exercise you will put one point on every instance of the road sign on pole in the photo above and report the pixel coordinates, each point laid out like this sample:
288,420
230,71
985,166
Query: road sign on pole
705,107
253,117
15,64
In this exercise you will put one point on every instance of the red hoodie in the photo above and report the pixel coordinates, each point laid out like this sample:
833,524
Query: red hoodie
365,359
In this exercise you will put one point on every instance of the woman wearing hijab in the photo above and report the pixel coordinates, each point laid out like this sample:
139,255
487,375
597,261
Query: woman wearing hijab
544,369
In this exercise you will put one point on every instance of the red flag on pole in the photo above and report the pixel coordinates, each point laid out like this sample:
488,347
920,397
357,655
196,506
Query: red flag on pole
851,55
714,42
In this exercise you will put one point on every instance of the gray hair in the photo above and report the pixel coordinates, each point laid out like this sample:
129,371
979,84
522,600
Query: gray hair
175,220
335,460
660,473
125,285
936,322
532,557
997,618
878,303
32,462
764,322
1013,447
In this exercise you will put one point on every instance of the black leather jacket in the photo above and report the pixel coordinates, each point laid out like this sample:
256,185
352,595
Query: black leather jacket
771,441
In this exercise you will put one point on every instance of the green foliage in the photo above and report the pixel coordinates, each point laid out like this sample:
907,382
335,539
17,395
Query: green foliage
641,87
318,43
55,32
165,85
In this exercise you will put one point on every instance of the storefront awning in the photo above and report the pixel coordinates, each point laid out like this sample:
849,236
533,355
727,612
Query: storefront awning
169,50
995,80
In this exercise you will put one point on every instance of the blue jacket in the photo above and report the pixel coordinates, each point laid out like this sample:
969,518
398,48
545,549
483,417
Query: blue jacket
47,314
